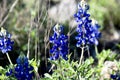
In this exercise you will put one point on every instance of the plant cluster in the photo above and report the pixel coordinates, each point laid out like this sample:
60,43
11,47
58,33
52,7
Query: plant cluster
63,68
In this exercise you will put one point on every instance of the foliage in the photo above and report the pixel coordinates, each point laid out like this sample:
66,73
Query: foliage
71,70
103,10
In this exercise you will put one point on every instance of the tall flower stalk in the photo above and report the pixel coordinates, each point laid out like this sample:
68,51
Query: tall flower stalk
5,43
87,29
59,43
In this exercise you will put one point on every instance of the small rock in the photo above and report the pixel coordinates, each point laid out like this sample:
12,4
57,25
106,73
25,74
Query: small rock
107,69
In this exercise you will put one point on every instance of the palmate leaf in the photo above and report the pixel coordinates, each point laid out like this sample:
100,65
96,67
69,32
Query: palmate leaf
102,56
2,77
35,64
89,73
2,71
1,68
89,61
53,61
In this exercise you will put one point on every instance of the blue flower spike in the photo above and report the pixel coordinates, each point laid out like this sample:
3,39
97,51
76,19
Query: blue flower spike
5,41
59,43
87,29
115,76
23,70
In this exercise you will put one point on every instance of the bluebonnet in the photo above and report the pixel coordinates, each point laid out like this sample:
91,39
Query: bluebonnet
9,73
115,77
5,41
87,29
23,70
59,43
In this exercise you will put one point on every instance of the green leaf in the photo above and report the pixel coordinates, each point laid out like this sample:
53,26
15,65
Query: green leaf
2,77
48,76
53,61
1,68
89,61
89,73
35,64
103,56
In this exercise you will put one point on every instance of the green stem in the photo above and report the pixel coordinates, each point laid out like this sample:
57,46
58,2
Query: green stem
88,51
62,76
9,58
96,49
81,55
53,65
